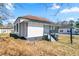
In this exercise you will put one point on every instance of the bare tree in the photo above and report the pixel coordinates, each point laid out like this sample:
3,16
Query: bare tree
9,24
5,11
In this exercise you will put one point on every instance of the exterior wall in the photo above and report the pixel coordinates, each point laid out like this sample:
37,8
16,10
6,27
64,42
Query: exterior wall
49,28
23,29
34,38
5,30
31,30
15,27
63,30
66,31
46,29
35,29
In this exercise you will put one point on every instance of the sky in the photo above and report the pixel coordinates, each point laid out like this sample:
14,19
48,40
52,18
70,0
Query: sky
53,11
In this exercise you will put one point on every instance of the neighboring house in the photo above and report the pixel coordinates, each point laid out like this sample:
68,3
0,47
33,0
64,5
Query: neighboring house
77,31
65,29
5,30
31,27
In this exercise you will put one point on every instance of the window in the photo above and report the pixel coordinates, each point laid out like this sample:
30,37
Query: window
17,27
61,30
68,30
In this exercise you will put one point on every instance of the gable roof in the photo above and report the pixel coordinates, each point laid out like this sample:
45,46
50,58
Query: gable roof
36,18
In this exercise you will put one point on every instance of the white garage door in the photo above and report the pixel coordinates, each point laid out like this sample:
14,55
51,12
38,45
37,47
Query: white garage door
35,30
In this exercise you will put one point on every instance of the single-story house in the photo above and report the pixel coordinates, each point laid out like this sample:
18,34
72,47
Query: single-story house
5,30
32,27
65,29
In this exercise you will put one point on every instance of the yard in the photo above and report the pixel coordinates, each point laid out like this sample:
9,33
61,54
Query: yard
18,47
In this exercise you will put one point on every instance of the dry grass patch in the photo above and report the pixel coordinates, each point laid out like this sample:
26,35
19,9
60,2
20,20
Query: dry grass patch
18,47
65,39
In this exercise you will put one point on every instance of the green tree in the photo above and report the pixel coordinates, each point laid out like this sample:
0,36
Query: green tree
77,23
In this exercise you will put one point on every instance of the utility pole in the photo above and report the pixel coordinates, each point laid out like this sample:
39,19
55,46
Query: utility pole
71,27
71,35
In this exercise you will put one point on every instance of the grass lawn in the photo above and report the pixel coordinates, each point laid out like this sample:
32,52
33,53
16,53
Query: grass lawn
18,47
